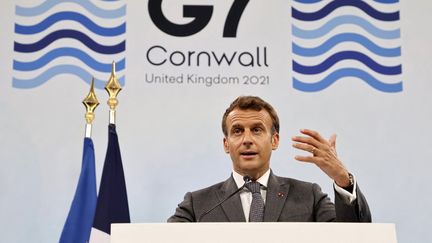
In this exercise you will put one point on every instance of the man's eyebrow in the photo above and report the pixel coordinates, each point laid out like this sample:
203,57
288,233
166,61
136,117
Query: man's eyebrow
236,126
258,124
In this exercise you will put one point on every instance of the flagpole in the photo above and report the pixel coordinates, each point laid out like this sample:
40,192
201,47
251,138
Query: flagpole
80,218
90,102
113,87
112,203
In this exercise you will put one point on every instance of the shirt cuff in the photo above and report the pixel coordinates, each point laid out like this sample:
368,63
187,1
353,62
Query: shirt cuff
346,196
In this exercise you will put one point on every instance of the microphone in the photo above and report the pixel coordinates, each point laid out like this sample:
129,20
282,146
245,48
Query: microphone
246,179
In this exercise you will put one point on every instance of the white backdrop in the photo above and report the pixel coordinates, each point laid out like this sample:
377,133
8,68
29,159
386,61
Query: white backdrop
170,134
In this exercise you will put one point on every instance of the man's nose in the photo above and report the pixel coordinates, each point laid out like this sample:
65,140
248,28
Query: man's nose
247,138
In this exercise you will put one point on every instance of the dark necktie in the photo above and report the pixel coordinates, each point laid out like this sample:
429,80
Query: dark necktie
256,213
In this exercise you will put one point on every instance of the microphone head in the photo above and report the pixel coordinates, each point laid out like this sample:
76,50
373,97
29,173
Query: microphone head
247,178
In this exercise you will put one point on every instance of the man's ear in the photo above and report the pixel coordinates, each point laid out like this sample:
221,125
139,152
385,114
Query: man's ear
275,141
226,146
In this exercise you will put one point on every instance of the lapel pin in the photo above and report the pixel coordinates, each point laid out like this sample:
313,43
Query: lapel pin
280,194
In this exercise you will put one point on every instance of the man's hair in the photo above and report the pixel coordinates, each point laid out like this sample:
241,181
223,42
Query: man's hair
251,103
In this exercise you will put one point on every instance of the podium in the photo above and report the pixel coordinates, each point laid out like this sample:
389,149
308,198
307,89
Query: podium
253,233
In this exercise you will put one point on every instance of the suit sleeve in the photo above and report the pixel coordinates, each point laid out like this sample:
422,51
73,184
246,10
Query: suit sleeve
357,211
184,211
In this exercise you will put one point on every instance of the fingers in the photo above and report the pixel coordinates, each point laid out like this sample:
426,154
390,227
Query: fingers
314,143
313,134
306,140
307,159
332,141
313,138
323,153
305,147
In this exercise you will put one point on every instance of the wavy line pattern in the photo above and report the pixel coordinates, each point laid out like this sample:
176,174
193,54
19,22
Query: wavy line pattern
343,38
347,72
364,67
57,70
317,1
72,34
333,5
346,55
71,52
89,6
66,15
342,20
34,55
386,1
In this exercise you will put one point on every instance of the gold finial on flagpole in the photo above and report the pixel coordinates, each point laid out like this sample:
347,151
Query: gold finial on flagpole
90,102
113,88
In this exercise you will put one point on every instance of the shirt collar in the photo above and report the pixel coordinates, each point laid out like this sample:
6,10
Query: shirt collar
263,180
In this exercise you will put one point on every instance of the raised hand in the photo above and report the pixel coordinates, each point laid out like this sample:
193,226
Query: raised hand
323,154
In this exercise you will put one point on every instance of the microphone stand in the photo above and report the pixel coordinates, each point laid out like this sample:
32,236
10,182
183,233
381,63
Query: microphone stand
246,179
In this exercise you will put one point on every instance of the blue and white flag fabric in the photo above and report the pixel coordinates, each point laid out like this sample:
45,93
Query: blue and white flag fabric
112,203
79,222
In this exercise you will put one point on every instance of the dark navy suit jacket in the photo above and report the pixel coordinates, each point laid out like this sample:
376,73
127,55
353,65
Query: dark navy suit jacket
288,200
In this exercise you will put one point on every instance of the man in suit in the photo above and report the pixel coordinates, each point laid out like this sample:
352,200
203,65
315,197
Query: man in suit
251,132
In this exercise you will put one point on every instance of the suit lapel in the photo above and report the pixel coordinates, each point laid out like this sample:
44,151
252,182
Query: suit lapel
277,192
231,207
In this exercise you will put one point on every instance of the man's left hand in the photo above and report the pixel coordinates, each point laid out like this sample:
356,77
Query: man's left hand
323,154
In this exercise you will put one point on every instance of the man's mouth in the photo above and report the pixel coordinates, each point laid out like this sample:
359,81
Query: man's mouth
248,154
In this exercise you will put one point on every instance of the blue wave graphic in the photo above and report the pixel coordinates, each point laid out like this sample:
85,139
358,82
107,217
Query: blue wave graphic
386,1
347,72
57,70
345,19
326,10
73,34
317,1
41,58
325,46
307,1
346,37
61,16
346,55
71,52
93,9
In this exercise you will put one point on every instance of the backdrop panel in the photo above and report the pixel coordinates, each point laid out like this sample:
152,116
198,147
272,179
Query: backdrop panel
361,70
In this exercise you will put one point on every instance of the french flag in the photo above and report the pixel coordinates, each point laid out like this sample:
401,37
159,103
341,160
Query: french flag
112,202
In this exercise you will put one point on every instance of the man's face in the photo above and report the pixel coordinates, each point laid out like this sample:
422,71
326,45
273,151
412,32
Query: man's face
250,141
